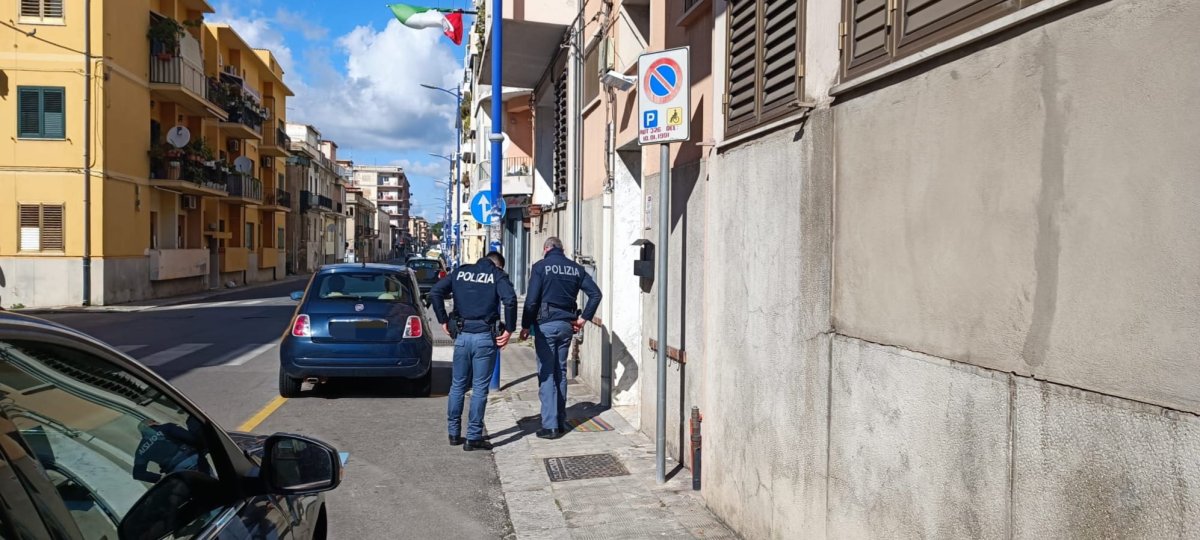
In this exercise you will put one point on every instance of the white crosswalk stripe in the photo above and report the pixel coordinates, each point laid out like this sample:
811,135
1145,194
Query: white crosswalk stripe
179,351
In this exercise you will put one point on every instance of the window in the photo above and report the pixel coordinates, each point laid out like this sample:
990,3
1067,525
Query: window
40,112
102,435
41,227
591,75
764,77
878,32
279,237
364,286
250,236
41,11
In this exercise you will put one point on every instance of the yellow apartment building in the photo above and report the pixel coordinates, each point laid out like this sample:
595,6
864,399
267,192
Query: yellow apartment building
174,106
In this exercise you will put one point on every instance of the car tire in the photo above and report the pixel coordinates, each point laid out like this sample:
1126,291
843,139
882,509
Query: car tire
421,386
288,386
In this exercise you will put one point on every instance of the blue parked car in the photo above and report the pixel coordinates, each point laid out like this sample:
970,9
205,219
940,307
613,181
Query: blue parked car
358,320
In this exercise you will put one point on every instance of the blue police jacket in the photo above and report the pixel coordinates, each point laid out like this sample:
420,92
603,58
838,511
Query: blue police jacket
478,291
554,283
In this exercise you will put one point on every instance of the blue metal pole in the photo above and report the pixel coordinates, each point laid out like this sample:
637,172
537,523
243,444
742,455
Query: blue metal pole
497,136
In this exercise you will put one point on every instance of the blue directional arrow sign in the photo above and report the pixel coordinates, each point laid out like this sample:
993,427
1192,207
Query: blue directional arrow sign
483,207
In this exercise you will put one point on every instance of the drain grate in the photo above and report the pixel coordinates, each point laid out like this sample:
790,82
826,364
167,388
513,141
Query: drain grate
562,469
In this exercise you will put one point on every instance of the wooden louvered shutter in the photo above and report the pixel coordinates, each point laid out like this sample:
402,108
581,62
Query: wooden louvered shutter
30,224
561,114
29,110
866,39
31,8
52,9
782,63
921,23
53,125
741,90
52,227
42,9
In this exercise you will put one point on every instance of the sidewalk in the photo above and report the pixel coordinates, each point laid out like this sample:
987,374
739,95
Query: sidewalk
624,506
142,305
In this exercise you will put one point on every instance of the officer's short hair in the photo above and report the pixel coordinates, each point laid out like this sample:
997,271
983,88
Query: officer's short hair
553,243
496,258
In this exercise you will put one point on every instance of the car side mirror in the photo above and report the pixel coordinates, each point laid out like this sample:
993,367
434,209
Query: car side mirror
297,295
294,465
175,501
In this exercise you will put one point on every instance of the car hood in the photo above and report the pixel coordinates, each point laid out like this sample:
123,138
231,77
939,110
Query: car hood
250,443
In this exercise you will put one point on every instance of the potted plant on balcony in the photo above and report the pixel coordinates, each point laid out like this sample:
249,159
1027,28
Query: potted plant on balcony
164,34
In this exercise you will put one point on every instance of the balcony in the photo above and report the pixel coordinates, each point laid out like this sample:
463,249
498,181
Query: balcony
325,202
309,201
518,176
243,189
177,263
280,199
178,77
190,170
275,142
245,110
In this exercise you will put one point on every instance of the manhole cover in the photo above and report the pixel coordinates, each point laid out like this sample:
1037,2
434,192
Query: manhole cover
561,469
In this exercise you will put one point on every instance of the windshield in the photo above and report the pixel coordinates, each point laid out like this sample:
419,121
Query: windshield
424,264
378,286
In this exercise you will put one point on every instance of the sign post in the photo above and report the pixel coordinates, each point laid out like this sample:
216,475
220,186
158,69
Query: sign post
664,112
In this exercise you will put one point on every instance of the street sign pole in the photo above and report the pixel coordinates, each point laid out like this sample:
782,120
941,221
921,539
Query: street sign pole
664,116
497,136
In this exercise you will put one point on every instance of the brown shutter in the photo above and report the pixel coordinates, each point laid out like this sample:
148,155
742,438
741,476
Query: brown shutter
741,92
782,63
52,227
921,23
866,41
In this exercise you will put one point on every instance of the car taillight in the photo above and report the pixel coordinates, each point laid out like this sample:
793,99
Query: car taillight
413,327
301,326
441,274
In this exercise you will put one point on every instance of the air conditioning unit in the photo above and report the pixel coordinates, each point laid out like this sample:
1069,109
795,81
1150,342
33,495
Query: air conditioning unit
190,202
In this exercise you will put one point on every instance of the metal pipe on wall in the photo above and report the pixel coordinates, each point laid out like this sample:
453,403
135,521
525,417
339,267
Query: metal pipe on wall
577,172
87,152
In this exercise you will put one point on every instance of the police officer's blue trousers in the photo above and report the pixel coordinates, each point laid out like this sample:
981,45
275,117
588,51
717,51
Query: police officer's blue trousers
553,342
474,359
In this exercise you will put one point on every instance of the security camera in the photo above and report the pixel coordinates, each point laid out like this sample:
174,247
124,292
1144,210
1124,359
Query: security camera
612,79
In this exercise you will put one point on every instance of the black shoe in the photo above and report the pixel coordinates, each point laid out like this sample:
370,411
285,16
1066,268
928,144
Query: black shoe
477,445
549,433
455,440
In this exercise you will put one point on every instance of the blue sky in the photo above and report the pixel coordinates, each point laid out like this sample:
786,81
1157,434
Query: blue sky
356,73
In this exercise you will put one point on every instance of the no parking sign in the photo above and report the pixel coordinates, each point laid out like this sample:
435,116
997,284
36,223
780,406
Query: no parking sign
664,97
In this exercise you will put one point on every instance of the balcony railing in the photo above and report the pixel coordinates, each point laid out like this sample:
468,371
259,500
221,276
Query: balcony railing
177,70
244,186
325,202
518,176
188,164
279,198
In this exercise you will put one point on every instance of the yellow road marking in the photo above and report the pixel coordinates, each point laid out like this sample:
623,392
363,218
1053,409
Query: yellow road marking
262,414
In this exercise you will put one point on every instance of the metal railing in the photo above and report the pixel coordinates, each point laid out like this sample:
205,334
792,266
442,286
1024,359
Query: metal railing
518,166
177,70
279,198
245,186
308,200
325,202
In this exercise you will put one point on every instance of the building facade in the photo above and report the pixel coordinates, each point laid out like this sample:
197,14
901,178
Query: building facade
183,139
321,184
923,281
388,188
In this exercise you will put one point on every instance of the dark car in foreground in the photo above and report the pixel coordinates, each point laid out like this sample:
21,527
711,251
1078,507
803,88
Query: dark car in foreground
94,445
358,320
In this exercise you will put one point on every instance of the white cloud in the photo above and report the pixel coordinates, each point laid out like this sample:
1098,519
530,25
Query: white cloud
424,170
301,23
258,33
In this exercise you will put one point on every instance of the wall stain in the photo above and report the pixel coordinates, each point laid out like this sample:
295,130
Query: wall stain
1050,202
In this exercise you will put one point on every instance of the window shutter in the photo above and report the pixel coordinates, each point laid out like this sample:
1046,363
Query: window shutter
53,126
29,217
741,91
921,23
31,8
29,109
52,227
52,9
781,60
866,45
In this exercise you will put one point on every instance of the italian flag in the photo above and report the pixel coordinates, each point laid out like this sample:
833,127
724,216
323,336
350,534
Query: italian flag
420,17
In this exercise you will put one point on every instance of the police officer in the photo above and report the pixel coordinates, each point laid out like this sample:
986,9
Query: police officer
478,291
554,283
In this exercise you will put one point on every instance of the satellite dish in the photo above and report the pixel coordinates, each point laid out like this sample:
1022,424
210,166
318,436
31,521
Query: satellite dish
243,164
179,136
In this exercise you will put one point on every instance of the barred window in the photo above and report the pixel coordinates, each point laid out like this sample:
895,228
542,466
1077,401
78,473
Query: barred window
765,62
41,227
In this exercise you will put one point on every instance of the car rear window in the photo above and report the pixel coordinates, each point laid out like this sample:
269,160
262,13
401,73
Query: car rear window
363,286
424,264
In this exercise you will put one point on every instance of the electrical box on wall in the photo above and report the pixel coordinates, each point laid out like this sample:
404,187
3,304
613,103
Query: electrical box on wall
643,266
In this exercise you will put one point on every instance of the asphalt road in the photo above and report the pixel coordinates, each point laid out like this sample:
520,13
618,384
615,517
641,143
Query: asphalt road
402,480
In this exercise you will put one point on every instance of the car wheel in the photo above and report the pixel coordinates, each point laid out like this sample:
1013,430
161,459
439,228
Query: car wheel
421,386
288,387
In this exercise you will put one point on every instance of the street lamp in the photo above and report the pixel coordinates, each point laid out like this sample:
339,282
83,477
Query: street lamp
457,162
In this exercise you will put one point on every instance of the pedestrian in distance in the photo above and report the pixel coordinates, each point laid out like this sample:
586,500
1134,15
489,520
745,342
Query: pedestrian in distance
554,284
478,291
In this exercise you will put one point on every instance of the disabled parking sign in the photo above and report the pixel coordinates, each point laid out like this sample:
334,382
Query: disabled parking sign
664,97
